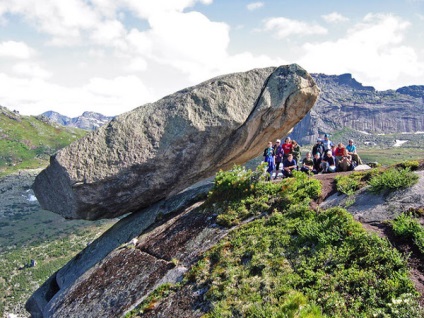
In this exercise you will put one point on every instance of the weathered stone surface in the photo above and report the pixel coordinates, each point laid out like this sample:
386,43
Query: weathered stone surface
111,276
371,207
160,149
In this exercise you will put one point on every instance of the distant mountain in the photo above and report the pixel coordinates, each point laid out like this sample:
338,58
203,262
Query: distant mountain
28,141
87,121
346,108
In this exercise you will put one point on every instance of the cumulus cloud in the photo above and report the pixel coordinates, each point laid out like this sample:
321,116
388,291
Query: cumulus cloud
372,50
106,96
31,70
283,27
334,17
14,49
254,6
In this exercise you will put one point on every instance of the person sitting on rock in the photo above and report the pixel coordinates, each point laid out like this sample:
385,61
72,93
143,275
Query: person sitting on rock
351,150
318,148
295,150
340,152
327,143
278,151
345,164
270,159
328,163
317,168
289,165
307,163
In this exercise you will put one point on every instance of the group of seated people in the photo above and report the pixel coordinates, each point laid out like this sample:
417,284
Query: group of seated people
324,158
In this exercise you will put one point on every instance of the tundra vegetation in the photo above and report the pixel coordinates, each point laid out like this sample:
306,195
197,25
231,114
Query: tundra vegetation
284,259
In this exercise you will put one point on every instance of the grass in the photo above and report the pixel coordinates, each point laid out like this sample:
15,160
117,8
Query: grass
406,225
295,262
27,142
18,281
389,156
393,178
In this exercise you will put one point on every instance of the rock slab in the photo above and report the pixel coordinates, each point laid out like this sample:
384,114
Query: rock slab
159,149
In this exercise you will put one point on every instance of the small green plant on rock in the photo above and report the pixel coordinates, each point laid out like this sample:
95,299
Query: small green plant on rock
407,226
240,193
393,179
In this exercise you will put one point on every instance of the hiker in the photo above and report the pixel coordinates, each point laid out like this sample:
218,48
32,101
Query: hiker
351,150
345,164
278,152
307,163
270,159
327,143
295,150
289,165
339,153
328,163
318,148
287,148
317,168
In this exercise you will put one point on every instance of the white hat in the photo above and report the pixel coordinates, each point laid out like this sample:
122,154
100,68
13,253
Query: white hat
278,140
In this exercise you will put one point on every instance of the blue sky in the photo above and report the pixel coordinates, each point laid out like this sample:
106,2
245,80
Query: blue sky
111,56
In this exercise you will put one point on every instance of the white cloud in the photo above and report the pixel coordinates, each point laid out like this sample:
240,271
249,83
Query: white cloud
106,96
31,70
372,50
334,17
254,6
14,49
284,27
175,42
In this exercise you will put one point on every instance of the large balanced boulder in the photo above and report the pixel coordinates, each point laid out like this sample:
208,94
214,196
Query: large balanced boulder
159,149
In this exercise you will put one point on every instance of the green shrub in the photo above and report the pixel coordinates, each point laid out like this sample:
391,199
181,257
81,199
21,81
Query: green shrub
305,264
239,193
393,178
410,164
405,225
347,184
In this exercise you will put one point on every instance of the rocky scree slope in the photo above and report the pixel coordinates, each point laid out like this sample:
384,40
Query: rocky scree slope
346,103
159,149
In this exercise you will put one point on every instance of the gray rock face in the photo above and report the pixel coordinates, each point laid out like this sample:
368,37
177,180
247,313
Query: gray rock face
345,103
159,149
112,275
371,207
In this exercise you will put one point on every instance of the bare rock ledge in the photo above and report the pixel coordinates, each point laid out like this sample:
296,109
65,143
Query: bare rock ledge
159,149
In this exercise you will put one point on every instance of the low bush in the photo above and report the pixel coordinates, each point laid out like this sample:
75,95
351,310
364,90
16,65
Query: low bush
407,226
300,263
239,193
392,179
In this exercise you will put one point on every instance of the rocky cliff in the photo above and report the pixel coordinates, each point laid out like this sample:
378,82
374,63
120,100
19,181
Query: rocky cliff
345,103
159,149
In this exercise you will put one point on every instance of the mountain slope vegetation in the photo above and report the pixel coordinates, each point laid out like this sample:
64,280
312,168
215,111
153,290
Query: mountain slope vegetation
27,142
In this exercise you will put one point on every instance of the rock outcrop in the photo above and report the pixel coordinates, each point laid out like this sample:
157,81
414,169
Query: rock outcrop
158,245
112,275
159,149
345,103
378,207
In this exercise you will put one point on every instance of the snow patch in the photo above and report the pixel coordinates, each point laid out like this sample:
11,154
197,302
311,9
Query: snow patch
364,132
399,142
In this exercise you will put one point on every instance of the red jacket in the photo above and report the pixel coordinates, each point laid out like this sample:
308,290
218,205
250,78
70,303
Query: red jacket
287,148
340,152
